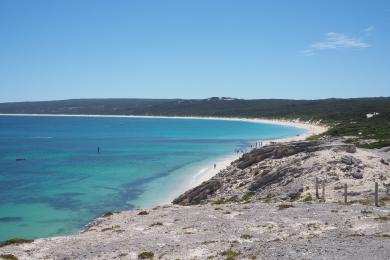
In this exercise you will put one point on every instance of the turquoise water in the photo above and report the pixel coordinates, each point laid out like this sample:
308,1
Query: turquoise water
64,182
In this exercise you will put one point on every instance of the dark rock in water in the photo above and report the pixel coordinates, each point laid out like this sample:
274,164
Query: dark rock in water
357,175
20,159
295,191
144,212
199,193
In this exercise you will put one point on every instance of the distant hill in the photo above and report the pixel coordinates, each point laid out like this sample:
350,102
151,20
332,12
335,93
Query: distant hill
325,109
347,116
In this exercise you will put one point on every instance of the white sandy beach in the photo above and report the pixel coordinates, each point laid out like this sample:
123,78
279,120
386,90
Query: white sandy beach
313,128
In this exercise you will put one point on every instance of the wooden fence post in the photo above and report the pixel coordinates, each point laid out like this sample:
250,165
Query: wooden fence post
323,190
317,195
345,194
376,195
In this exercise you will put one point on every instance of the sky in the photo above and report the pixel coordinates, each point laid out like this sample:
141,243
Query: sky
302,49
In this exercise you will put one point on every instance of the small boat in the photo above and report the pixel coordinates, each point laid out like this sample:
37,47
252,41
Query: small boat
20,159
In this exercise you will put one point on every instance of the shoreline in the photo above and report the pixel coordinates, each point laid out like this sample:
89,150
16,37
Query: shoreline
313,128
206,172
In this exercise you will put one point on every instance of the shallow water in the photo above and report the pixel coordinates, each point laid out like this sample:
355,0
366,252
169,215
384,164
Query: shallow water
64,182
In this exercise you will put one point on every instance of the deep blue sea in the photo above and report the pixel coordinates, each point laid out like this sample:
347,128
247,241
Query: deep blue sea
64,182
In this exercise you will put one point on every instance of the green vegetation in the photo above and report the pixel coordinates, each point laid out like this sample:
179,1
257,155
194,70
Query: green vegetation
308,198
8,257
247,196
156,224
346,117
356,235
285,206
208,242
230,254
383,218
383,201
365,202
245,236
146,255
219,202
15,241
267,225
382,234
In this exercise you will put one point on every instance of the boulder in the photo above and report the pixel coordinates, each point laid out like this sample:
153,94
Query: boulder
384,162
350,160
295,191
357,175
281,150
350,149
346,159
198,194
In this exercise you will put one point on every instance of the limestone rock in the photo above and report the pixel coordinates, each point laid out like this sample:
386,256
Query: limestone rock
199,193
295,191
357,175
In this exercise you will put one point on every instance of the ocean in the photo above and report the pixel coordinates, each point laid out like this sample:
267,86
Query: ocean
73,169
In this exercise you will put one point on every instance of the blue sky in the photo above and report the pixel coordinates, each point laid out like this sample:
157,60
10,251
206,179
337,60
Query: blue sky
193,49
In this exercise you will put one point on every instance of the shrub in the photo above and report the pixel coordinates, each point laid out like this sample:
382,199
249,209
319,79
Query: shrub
146,255
285,206
230,254
361,201
383,218
15,241
156,224
246,236
308,198
381,234
8,257
247,196
219,202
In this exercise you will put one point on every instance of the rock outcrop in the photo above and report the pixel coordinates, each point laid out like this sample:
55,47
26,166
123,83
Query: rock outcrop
199,193
287,171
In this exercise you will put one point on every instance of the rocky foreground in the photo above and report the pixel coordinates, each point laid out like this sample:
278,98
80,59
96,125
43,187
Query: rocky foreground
262,206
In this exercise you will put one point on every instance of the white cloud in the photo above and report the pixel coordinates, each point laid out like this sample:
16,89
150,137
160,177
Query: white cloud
335,40
338,40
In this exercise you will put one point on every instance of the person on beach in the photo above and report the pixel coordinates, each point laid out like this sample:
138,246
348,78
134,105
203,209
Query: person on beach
215,166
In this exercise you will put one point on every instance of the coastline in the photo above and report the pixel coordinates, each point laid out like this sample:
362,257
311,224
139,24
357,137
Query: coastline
206,171
313,128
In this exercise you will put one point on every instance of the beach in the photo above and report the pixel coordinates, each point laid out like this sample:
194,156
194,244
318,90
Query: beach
204,171
142,163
